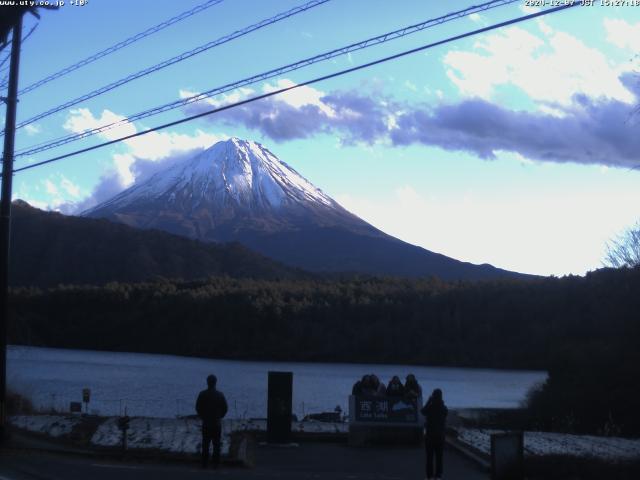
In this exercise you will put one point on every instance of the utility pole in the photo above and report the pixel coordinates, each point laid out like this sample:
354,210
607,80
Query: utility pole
5,215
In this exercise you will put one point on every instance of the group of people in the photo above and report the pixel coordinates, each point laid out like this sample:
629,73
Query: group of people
370,385
211,406
434,411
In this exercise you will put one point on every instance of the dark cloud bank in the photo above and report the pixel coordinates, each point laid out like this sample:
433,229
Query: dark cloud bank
590,131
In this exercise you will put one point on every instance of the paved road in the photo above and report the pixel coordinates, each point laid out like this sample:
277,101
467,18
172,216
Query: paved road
321,461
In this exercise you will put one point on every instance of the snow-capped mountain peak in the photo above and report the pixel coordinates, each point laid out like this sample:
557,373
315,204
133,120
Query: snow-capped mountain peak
234,171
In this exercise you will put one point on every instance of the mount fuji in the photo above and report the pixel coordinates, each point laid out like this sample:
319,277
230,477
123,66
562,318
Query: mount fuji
237,190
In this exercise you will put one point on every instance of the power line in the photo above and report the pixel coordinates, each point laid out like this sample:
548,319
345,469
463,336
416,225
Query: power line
308,82
5,81
176,59
114,48
266,75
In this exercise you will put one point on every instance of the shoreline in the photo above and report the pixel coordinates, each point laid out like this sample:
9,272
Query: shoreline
482,368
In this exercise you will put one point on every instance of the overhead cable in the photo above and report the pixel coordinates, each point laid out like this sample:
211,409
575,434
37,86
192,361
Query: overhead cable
33,149
120,45
5,80
174,60
303,84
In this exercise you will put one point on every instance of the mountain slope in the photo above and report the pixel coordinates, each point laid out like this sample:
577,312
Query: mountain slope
232,188
238,190
48,248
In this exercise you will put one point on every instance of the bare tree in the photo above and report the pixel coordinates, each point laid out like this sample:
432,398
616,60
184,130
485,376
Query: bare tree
624,250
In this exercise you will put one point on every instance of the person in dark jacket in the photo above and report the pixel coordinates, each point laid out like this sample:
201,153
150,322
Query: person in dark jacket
211,407
368,389
378,388
395,387
359,386
435,413
412,388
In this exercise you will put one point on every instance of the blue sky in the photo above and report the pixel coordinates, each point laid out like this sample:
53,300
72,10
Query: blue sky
513,147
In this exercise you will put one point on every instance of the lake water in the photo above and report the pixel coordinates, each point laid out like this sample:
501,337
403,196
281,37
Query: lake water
166,385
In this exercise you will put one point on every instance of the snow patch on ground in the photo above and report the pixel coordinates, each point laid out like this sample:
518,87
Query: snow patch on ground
175,435
548,443
310,426
52,425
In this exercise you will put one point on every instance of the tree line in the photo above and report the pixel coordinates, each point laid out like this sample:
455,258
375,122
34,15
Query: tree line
583,330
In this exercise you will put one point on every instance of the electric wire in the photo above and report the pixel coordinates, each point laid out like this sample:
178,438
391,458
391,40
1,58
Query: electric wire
37,148
178,58
306,83
5,80
124,43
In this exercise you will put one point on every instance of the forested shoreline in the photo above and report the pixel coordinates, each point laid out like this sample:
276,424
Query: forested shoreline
583,330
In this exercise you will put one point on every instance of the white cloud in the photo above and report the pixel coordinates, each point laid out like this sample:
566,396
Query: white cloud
59,189
623,34
81,119
123,163
219,100
548,69
411,86
475,17
300,96
156,146
152,146
32,129
50,187
69,187
552,111
544,26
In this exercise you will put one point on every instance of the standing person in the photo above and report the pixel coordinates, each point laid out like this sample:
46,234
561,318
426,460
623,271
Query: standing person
367,386
211,407
379,390
435,413
412,388
395,387
359,386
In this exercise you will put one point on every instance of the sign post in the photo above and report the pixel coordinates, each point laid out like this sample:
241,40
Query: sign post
86,396
507,456
123,423
279,407
382,419
384,410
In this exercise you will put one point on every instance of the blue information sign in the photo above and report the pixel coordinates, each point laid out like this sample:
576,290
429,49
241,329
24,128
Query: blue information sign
386,410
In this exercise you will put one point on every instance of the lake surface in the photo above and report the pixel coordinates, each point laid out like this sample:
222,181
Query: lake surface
166,385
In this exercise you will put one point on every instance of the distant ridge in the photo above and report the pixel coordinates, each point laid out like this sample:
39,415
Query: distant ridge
48,248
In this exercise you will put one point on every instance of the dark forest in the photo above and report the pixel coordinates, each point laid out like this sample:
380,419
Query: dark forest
584,331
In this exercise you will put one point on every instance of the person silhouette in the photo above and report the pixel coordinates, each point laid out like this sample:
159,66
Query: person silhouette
395,387
211,406
435,413
412,388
